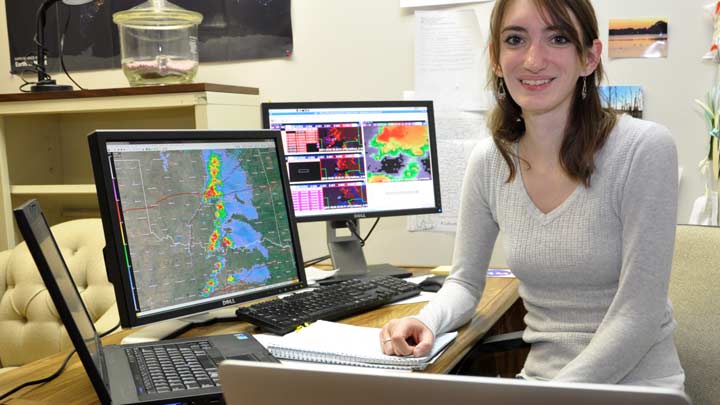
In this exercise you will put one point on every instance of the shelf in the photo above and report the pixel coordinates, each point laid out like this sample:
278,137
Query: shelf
43,138
53,189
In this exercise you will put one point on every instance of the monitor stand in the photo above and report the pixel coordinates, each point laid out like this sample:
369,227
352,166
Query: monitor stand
174,327
348,258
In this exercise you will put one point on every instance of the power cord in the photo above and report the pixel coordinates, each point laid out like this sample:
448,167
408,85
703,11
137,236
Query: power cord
22,75
353,230
38,67
53,375
315,261
62,52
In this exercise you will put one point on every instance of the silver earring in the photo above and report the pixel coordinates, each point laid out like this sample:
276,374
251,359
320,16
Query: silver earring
583,92
501,89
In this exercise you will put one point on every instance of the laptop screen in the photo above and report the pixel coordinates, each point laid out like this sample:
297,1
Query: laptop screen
62,289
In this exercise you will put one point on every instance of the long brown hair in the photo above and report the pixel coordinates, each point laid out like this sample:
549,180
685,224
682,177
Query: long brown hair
589,124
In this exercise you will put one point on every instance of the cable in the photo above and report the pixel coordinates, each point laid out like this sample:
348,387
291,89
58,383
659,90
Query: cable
354,231
40,64
109,331
53,375
40,381
315,261
38,67
26,83
62,52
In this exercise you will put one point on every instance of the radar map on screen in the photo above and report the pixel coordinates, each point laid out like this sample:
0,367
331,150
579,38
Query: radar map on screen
220,213
397,152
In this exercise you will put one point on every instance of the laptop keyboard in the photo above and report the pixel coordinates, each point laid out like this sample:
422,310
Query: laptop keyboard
173,367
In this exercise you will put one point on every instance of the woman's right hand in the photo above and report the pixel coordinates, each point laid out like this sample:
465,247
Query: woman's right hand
406,336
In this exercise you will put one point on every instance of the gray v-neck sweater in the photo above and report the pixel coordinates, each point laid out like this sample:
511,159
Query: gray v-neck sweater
593,272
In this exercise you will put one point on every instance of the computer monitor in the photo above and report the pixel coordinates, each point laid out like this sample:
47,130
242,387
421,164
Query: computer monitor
194,220
351,160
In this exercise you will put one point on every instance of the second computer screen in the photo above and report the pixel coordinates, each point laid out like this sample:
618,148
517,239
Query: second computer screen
357,160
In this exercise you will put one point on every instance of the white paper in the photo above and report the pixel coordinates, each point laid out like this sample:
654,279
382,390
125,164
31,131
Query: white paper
449,54
457,133
427,3
314,274
460,126
333,342
705,210
453,156
424,296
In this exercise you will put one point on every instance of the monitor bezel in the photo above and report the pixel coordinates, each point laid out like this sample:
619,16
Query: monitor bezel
266,107
113,251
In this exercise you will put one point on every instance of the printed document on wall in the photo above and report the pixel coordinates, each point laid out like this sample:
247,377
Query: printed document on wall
449,66
457,134
427,3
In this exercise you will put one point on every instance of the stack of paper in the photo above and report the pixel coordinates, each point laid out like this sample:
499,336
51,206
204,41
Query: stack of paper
336,343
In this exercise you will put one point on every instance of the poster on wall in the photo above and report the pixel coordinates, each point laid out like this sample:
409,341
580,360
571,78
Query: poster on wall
231,30
627,99
638,38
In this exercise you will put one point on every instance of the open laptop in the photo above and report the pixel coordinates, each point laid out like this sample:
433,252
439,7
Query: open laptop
173,371
313,384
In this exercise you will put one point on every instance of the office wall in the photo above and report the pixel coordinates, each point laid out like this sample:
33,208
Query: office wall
363,50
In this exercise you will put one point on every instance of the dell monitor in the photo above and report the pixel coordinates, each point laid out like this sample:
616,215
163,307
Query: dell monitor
194,220
351,160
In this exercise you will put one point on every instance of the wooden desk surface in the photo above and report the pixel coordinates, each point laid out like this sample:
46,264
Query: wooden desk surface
73,385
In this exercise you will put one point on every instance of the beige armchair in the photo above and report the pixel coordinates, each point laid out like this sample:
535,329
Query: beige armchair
30,327
694,291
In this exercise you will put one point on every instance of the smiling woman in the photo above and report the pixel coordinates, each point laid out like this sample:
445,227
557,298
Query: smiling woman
563,52
586,201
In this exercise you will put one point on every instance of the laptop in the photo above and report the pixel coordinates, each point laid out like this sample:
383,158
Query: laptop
314,384
171,371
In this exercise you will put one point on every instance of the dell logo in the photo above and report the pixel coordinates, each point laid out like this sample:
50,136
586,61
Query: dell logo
358,215
228,301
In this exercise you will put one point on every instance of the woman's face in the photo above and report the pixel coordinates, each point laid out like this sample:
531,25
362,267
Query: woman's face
539,64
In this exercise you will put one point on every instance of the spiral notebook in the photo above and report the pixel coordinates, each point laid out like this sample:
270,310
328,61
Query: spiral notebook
337,343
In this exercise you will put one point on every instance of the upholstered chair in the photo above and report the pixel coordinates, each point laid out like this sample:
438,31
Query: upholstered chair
30,327
694,292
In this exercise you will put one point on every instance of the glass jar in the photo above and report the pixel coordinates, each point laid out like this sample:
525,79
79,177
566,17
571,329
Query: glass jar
158,43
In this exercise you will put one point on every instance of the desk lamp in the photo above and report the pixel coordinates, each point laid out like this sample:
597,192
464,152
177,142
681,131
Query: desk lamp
44,82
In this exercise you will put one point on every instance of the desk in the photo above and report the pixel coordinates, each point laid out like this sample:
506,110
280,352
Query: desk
73,385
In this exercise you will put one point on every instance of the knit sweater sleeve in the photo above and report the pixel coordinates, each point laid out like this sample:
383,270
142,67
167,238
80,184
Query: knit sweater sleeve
646,204
477,230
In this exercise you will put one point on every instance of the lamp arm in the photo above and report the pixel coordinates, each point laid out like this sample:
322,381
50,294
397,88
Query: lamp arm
40,38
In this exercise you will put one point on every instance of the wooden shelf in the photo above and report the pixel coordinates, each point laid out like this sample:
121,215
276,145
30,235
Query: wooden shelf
43,138
53,189
131,91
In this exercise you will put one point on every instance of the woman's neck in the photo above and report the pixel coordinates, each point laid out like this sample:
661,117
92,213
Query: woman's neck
543,138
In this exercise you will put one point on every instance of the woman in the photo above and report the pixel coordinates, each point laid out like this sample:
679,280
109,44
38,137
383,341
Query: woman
587,204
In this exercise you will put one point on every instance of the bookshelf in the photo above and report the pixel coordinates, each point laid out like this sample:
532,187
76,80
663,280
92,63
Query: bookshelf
43,145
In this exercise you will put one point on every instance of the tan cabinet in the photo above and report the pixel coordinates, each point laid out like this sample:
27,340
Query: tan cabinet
43,138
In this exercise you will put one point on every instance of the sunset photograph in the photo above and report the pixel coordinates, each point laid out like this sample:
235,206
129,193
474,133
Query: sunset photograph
638,38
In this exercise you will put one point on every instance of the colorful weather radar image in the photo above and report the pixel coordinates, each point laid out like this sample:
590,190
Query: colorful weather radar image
342,167
208,221
339,138
345,196
397,152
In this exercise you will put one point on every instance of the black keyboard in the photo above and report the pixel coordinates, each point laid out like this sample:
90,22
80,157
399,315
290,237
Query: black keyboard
329,302
173,367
